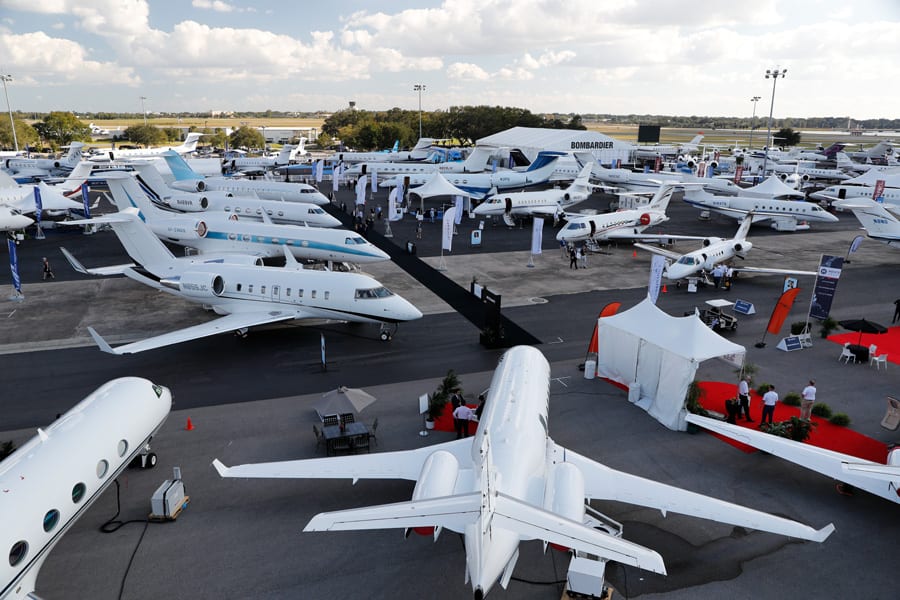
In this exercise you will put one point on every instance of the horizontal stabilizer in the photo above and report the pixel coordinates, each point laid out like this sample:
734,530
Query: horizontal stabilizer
531,522
100,271
450,512
604,483
883,472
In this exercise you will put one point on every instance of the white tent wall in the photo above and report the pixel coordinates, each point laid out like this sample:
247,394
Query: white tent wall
660,353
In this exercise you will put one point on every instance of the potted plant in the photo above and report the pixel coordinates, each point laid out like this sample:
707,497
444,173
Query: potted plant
828,325
441,395
692,404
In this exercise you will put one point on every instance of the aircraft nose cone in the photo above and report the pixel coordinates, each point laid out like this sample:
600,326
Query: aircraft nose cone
479,594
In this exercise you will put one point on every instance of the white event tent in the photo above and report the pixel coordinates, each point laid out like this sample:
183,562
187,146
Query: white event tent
647,348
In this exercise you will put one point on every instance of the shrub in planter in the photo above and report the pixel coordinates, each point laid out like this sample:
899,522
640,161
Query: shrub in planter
820,409
791,399
795,429
828,325
800,327
839,419
692,400
762,389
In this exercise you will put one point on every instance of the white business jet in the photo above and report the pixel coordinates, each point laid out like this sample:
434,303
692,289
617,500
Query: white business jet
880,224
262,164
218,234
643,182
52,479
44,167
510,483
786,215
476,162
11,219
228,205
876,478
420,151
246,294
714,251
188,180
189,145
22,197
543,203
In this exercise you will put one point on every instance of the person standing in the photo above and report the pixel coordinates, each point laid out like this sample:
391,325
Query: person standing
808,396
717,273
48,272
462,415
770,399
583,260
896,311
573,258
744,398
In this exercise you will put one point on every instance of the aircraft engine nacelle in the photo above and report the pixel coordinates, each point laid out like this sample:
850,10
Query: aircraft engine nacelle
709,241
714,164
187,202
566,197
183,229
235,259
804,177
742,247
644,219
564,494
438,478
197,284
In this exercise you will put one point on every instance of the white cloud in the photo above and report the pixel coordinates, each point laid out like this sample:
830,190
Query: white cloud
219,6
467,72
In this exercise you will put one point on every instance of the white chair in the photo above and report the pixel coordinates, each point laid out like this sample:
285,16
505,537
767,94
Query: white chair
873,350
846,355
878,361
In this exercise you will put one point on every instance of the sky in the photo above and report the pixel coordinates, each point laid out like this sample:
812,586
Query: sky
706,57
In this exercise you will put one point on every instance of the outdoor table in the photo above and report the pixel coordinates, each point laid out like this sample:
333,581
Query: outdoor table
860,352
333,434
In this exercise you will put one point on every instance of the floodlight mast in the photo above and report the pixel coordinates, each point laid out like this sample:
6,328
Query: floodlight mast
772,74
419,87
754,100
143,110
12,123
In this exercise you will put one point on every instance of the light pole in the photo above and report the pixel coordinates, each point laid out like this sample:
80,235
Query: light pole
772,74
419,87
143,110
12,123
754,100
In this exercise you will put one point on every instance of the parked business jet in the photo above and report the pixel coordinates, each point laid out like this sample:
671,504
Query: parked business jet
542,203
786,215
246,294
479,185
510,483
217,234
876,478
186,179
714,251
420,151
44,167
22,197
189,145
809,172
52,479
643,182
476,162
880,224
11,219
262,164
649,152
622,224
877,152
228,205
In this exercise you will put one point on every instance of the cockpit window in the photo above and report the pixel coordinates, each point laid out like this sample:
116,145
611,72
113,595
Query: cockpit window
379,292
574,226
355,240
687,260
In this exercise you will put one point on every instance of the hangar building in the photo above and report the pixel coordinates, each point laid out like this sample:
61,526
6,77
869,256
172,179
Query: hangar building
531,140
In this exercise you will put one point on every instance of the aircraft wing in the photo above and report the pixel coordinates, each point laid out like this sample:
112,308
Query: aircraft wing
661,251
620,234
604,483
774,271
101,271
404,464
224,324
856,471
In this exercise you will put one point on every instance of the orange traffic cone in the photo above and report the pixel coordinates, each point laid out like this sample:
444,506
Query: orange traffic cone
634,254
664,291
189,426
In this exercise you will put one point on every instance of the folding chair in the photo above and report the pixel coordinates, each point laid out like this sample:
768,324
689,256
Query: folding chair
330,420
320,437
372,429
878,361
846,355
361,441
347,418
892,416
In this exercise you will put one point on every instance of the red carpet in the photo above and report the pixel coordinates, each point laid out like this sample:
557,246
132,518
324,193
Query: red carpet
445,421
824,435
887,342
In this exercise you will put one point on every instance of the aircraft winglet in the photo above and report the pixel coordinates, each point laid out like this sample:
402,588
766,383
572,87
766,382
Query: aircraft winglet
76,264
220,468
101,343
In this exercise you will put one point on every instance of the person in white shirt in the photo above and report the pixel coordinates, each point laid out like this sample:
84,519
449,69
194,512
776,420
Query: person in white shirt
462,415
809,398
770,399
744,398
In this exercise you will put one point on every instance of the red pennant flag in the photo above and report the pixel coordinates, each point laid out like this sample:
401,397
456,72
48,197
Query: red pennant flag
781,310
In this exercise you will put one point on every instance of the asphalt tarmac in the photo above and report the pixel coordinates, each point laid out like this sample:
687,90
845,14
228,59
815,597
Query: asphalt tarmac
249,400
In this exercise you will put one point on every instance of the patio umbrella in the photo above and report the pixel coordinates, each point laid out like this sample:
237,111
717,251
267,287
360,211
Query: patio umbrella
862,326
343,400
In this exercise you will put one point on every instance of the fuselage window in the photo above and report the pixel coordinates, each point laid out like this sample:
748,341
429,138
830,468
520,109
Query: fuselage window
313,294
122,448
288,292
300,293
250,289
326,295
51,519
18,552
102,468
239,286
78,492
262,290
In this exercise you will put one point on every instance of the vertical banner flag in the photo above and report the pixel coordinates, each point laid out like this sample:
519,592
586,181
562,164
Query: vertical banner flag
781,310
14,265
322,347
374,181
335,177
854,245
879,191
494,166
537,235
826,284
701,169
361,190
85,198
657,266
658,165
738,173
320,170
447,229
38,206
646,168
459,210
392,204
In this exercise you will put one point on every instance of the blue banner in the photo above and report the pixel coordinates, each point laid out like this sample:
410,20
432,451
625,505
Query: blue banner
826,284
14,265
37,205
85,198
